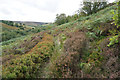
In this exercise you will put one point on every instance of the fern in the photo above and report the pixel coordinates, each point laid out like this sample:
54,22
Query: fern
113,40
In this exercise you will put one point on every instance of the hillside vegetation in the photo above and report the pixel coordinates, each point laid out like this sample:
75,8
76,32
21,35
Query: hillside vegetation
14,29
87,47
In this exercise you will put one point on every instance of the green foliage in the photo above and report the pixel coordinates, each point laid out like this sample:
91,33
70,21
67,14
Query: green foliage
113,40
93,7
7,35
11,23
116,19
10,34
91,35
60,19
102,16
28,65
25,66
85,67
116,16
63,36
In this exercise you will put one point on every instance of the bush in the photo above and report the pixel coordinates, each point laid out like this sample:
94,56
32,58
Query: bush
28,65
24,66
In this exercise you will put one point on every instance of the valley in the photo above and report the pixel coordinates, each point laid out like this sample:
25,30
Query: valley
87,47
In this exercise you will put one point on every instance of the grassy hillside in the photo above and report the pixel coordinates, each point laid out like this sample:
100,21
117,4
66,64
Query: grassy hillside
13,29
78,49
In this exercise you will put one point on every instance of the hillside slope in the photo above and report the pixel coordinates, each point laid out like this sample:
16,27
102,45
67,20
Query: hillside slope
76,49
17,29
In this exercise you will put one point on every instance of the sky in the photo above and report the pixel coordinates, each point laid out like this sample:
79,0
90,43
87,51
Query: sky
36,10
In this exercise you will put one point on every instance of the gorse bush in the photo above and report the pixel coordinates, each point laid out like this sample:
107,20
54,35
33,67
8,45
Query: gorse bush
24,66
28,65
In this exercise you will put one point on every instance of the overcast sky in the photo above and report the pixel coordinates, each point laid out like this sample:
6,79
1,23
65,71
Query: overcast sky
36,10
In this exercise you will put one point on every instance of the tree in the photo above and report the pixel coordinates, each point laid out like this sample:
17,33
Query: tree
75,16
93,7
16,24
60,19
11,23
69,18
87,7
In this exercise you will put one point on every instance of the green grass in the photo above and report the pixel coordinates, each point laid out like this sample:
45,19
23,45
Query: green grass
15,40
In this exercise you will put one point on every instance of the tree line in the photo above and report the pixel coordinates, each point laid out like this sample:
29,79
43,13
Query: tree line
11,23
88,8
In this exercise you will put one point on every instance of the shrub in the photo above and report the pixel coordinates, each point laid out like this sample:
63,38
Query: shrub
28,65
113,40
